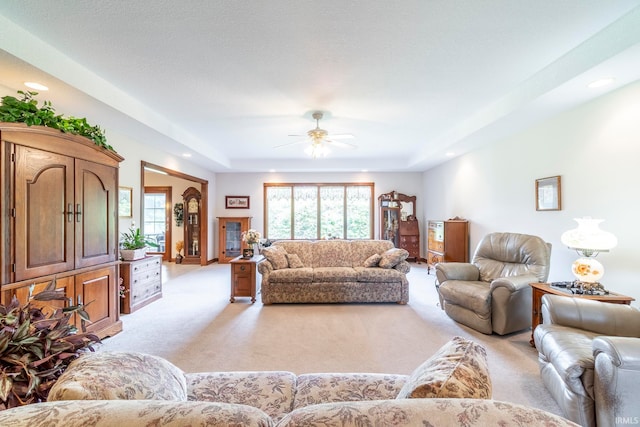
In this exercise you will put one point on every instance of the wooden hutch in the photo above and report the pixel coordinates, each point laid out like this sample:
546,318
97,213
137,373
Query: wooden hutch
59,220
398,222
448,241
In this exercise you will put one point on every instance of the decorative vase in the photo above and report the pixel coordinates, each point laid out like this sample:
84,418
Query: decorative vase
179,259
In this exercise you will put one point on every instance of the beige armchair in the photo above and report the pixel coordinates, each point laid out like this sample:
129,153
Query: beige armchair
589,353
492,293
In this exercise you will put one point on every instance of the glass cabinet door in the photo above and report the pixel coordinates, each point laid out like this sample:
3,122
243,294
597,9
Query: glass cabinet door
233,239
390,222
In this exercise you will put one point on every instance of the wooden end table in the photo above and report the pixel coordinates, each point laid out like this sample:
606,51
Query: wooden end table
243,277
539,289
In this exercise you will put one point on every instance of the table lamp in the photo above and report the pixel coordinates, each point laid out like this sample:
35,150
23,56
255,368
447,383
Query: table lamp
588,240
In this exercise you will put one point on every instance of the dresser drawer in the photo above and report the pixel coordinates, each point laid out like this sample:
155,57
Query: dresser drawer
142,282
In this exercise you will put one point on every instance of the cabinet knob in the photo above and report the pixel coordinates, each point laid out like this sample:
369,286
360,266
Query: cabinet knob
242,268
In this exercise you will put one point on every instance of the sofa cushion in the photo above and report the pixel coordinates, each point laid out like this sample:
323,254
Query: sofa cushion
313,389
459,369
393,257
373,260
335,274
269,391
294,261
569,351
133,413
429,412
277,256
332,253
292,275
363,249
379,275
120,376
474,295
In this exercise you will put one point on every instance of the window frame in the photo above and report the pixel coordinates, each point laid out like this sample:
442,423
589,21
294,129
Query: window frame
345,185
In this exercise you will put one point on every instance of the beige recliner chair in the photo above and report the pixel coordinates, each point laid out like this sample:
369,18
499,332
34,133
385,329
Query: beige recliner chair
492,293
589,353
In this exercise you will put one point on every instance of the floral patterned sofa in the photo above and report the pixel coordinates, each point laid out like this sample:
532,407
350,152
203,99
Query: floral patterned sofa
332,271
452,387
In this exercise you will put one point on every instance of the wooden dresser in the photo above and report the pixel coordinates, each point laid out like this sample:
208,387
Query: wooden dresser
448,241
142,281
410,238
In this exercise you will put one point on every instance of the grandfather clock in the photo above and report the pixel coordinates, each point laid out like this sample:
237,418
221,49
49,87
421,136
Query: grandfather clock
192,222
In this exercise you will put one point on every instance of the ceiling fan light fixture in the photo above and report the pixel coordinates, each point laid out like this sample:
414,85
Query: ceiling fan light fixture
317,149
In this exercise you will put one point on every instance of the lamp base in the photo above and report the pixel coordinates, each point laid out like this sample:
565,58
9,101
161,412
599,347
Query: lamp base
588,288
587,270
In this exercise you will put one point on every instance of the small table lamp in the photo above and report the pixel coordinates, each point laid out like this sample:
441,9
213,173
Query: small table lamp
588,240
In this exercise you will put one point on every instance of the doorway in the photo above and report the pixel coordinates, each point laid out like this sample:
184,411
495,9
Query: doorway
156,219
160,176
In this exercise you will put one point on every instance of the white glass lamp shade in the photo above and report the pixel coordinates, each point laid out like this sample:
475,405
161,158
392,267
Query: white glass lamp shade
588,238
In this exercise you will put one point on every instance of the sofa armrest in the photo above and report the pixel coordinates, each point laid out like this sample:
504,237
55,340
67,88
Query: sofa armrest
514,283
265,267
595,316
456,271
617,374
403,267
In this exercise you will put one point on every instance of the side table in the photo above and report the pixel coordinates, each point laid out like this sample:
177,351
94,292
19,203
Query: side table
243,277
539,289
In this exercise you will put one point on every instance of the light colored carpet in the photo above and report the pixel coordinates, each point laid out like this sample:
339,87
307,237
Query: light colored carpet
195,327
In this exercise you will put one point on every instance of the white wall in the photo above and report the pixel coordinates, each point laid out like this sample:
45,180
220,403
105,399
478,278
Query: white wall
595,148
251,184
134,152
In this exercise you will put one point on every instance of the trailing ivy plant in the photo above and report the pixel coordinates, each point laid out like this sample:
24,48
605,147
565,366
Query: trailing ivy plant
36,348
26,110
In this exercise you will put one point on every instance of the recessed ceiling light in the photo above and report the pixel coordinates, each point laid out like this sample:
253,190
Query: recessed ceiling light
449,154
601,82
365,170
186,154
36,86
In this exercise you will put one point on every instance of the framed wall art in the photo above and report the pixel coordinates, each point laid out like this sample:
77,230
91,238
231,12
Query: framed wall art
549,194
125,208
236,202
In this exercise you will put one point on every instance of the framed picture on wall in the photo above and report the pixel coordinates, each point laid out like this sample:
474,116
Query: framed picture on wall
125,209
236,202
548,194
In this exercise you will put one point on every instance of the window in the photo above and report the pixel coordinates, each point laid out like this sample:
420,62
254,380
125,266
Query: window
317,211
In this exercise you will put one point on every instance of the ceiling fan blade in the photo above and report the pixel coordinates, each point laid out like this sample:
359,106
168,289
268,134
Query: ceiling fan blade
342,144
341,136
290,143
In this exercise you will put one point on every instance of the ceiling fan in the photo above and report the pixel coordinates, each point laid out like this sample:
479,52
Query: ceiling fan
320,139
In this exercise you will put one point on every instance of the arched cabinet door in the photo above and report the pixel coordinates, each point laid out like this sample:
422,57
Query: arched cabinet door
44,219
95,213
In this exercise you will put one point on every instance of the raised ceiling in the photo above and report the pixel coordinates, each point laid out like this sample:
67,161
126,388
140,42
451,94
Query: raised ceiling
229,80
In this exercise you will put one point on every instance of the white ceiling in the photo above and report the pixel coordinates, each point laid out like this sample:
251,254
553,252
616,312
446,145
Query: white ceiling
230,80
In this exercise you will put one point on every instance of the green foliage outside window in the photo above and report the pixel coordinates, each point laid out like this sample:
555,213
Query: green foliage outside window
319,211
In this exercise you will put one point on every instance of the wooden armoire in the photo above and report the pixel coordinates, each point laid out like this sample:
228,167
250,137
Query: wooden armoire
59,207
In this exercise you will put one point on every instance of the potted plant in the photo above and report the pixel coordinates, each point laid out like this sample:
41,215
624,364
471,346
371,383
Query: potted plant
36,346
179,247
134,245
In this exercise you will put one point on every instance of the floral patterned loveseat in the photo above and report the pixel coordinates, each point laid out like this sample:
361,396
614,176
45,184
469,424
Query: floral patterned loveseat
332,271
119,389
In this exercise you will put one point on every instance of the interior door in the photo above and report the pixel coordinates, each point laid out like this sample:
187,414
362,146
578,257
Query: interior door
157,220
